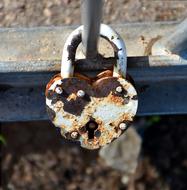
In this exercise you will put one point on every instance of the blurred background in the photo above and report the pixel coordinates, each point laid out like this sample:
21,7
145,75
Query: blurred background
35,157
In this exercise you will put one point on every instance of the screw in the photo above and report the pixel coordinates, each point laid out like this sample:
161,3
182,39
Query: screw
119,89
92,125
58,90
98,133
80,93
74,134
122,126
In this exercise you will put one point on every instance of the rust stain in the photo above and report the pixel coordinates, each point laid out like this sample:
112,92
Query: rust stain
79,111
107,73
118,100
55,78
149,45
72,96
142,38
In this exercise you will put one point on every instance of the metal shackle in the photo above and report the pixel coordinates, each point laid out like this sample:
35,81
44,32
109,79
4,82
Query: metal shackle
106,32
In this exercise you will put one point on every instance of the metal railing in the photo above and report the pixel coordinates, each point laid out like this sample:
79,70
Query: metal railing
29,57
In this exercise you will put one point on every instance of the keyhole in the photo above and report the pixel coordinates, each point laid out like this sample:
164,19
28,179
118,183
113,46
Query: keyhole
91,126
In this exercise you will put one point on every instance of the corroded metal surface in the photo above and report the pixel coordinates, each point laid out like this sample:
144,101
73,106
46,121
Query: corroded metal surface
39,49
173,43
93,110
106,32
92,119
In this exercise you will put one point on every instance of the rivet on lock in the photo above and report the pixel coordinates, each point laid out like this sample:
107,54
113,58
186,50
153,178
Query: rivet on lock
93,111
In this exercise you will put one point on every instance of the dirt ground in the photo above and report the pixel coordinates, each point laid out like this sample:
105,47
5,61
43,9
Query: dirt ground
36,158
14,13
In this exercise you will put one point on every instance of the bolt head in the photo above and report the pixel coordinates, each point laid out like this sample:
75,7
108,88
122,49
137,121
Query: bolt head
58,90
119,89
92,125
122,126
74,134
80,93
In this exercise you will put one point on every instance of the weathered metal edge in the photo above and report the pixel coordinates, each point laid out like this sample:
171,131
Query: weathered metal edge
46,43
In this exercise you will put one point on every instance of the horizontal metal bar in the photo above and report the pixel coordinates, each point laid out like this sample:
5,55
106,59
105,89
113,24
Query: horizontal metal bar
46,43
30,57
88,65
161,90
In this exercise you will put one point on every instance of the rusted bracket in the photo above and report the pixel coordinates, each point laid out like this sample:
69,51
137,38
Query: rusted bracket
30,57
173,43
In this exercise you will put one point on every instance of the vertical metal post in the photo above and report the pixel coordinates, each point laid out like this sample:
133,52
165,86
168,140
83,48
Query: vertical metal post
91,19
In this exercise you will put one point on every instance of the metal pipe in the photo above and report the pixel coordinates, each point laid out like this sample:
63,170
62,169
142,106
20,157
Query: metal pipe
174,43
91,19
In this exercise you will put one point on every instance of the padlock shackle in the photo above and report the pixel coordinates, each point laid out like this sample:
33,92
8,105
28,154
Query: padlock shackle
106,32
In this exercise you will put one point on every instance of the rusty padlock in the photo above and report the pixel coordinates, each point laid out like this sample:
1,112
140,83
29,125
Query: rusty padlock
93,112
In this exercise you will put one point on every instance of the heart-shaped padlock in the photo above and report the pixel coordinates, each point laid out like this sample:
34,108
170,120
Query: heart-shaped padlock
93,112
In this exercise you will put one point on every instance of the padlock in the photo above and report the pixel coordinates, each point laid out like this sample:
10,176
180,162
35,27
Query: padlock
91,111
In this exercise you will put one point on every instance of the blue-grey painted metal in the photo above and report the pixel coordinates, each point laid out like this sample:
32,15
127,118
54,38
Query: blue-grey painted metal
160,90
